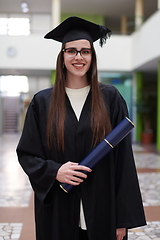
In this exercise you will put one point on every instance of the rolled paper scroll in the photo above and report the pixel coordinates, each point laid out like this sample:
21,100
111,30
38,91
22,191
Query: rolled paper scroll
104,147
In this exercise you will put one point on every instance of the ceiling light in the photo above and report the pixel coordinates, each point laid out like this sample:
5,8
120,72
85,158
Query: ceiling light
24,7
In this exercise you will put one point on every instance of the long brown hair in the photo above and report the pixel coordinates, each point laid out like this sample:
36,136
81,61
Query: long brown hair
100,122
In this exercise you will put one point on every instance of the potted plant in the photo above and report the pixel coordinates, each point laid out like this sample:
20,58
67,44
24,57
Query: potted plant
145,108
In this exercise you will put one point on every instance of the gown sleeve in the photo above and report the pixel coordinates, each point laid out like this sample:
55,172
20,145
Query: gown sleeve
129,207
31,155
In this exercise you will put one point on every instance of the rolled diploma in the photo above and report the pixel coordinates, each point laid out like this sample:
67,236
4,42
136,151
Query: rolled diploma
104,147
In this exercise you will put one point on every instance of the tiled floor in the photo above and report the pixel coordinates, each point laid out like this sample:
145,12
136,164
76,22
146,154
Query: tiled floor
16,198
10,230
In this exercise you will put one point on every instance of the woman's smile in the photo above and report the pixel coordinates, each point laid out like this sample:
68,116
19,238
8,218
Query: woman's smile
77,65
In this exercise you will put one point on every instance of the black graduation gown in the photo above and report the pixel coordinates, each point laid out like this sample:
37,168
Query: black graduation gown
110,195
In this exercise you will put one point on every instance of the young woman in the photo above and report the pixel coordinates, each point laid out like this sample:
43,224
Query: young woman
62,126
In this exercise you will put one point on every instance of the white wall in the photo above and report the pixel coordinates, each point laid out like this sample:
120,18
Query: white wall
115,55
146,42
34,52
121,53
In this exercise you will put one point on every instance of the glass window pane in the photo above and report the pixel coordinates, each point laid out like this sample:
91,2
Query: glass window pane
13,85
3,26
18,26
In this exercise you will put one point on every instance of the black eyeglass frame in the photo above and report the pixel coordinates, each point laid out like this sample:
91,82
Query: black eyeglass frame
78,51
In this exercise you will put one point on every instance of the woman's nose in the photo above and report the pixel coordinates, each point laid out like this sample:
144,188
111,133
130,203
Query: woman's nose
78,55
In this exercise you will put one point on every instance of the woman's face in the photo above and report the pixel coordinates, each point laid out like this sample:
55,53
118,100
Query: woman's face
77,63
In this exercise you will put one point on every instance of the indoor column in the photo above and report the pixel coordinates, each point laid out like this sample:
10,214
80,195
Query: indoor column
124,25
139,13
56,13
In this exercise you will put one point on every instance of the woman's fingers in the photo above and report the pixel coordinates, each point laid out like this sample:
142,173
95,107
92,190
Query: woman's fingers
82,168
72,173
120,232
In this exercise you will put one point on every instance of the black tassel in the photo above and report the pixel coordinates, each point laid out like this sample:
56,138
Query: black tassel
105,33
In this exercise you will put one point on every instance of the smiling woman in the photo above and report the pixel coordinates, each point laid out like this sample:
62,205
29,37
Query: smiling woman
77,60
62,126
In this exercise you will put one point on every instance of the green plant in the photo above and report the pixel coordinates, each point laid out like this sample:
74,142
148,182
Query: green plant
144,109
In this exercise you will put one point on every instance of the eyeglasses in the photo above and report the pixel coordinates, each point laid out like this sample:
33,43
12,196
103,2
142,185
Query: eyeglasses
72,52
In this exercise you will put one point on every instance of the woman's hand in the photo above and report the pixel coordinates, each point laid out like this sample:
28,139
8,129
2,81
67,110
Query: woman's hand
70,173
120,233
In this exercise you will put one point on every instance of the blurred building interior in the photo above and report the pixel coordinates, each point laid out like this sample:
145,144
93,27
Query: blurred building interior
130,61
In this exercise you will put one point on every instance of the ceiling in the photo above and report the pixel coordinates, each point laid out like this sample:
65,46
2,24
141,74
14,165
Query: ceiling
111,9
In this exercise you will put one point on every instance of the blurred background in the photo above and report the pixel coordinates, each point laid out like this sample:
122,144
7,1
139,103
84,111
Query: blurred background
130,61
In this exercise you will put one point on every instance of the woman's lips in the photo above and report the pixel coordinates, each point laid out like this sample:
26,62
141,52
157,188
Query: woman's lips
78,65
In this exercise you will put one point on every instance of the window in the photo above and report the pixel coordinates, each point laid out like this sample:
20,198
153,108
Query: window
15,26
13,85
3,26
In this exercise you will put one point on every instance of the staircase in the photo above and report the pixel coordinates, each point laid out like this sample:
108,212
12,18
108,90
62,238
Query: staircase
10,114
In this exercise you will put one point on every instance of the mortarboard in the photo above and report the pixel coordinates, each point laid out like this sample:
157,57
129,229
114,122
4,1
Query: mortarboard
75,28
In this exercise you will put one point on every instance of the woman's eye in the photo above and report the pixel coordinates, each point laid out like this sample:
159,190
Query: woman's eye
86,52
72,51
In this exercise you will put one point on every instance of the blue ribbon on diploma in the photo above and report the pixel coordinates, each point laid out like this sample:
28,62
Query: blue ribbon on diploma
104,147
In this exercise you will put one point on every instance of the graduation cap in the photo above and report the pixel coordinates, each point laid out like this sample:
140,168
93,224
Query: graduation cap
75,28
